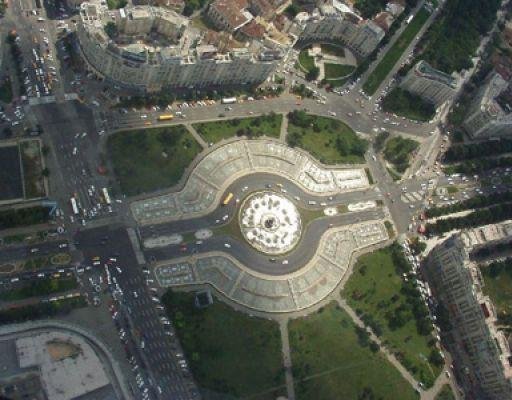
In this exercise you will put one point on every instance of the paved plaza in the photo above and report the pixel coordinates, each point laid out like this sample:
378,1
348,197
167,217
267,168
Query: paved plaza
219,168
276,294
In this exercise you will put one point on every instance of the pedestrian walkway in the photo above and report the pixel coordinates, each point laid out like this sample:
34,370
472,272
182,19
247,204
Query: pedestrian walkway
411,197
196,135
287,360
391,358
284,128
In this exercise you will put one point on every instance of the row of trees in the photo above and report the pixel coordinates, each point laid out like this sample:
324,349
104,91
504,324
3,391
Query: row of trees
40,310
42,287
479,165
23,216
398,152
409,105
488,148
476,202
485,216
491,250
453,39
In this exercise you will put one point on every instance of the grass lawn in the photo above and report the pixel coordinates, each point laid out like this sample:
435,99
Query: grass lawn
395,52
328,140
333,50
228,352
398,151
149,159
114,4
329,361
30,151
6,91
452,189
306,62
334,71
445,393
377,292
498,286
408,105
268,125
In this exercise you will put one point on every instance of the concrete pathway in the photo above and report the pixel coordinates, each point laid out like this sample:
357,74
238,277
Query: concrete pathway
196,135
284,128
287,361
391,358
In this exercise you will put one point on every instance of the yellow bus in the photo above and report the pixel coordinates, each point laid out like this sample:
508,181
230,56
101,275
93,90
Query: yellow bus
227,199
165,117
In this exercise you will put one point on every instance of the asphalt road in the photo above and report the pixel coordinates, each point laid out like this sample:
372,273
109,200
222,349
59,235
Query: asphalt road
159,352
271,265
12,253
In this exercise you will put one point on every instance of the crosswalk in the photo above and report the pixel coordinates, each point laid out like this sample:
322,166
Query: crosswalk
412,197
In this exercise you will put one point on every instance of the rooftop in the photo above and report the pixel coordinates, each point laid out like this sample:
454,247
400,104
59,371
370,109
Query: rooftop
69,367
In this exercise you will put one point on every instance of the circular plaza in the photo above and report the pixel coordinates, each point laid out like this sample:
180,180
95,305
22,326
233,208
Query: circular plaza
270,222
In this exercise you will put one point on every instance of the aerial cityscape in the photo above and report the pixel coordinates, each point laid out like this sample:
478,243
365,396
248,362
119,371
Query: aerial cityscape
255,199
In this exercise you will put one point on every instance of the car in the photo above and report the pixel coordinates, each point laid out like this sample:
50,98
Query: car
227,245
63,245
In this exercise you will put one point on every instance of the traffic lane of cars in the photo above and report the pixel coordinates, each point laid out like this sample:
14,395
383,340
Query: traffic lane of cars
279,265
257,182
140,307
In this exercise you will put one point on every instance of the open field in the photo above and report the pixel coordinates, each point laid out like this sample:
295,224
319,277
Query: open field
229,352
498,286
399,151
330,361
408,105
30,151
328,140
394,310
306,62
395,52
146,160
335,71
265,125
11,185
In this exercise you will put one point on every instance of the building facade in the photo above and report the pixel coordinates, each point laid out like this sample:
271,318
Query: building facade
486,116
432,85
150,68
361,37
481,352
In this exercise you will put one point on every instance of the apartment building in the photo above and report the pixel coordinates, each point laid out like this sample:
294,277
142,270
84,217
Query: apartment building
362,37
481,352
149,67
429,83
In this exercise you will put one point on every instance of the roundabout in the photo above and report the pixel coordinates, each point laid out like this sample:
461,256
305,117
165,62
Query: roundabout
270,222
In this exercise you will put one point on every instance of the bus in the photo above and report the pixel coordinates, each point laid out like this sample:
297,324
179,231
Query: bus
106,196
165,117
227,199
74,205
229,100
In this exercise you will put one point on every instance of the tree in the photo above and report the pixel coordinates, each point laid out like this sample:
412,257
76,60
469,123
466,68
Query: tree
45,150
313,73
111,30
45,172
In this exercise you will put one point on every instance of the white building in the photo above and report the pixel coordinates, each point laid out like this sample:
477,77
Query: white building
486,116
429,83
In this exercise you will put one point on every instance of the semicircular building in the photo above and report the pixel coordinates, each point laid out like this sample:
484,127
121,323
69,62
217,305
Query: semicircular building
152,48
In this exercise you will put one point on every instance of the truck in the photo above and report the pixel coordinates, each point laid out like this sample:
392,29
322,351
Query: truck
165,117
227,199
229,100
74,205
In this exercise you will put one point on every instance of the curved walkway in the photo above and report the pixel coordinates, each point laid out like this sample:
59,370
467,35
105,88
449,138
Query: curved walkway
113,369
219,168
282,293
